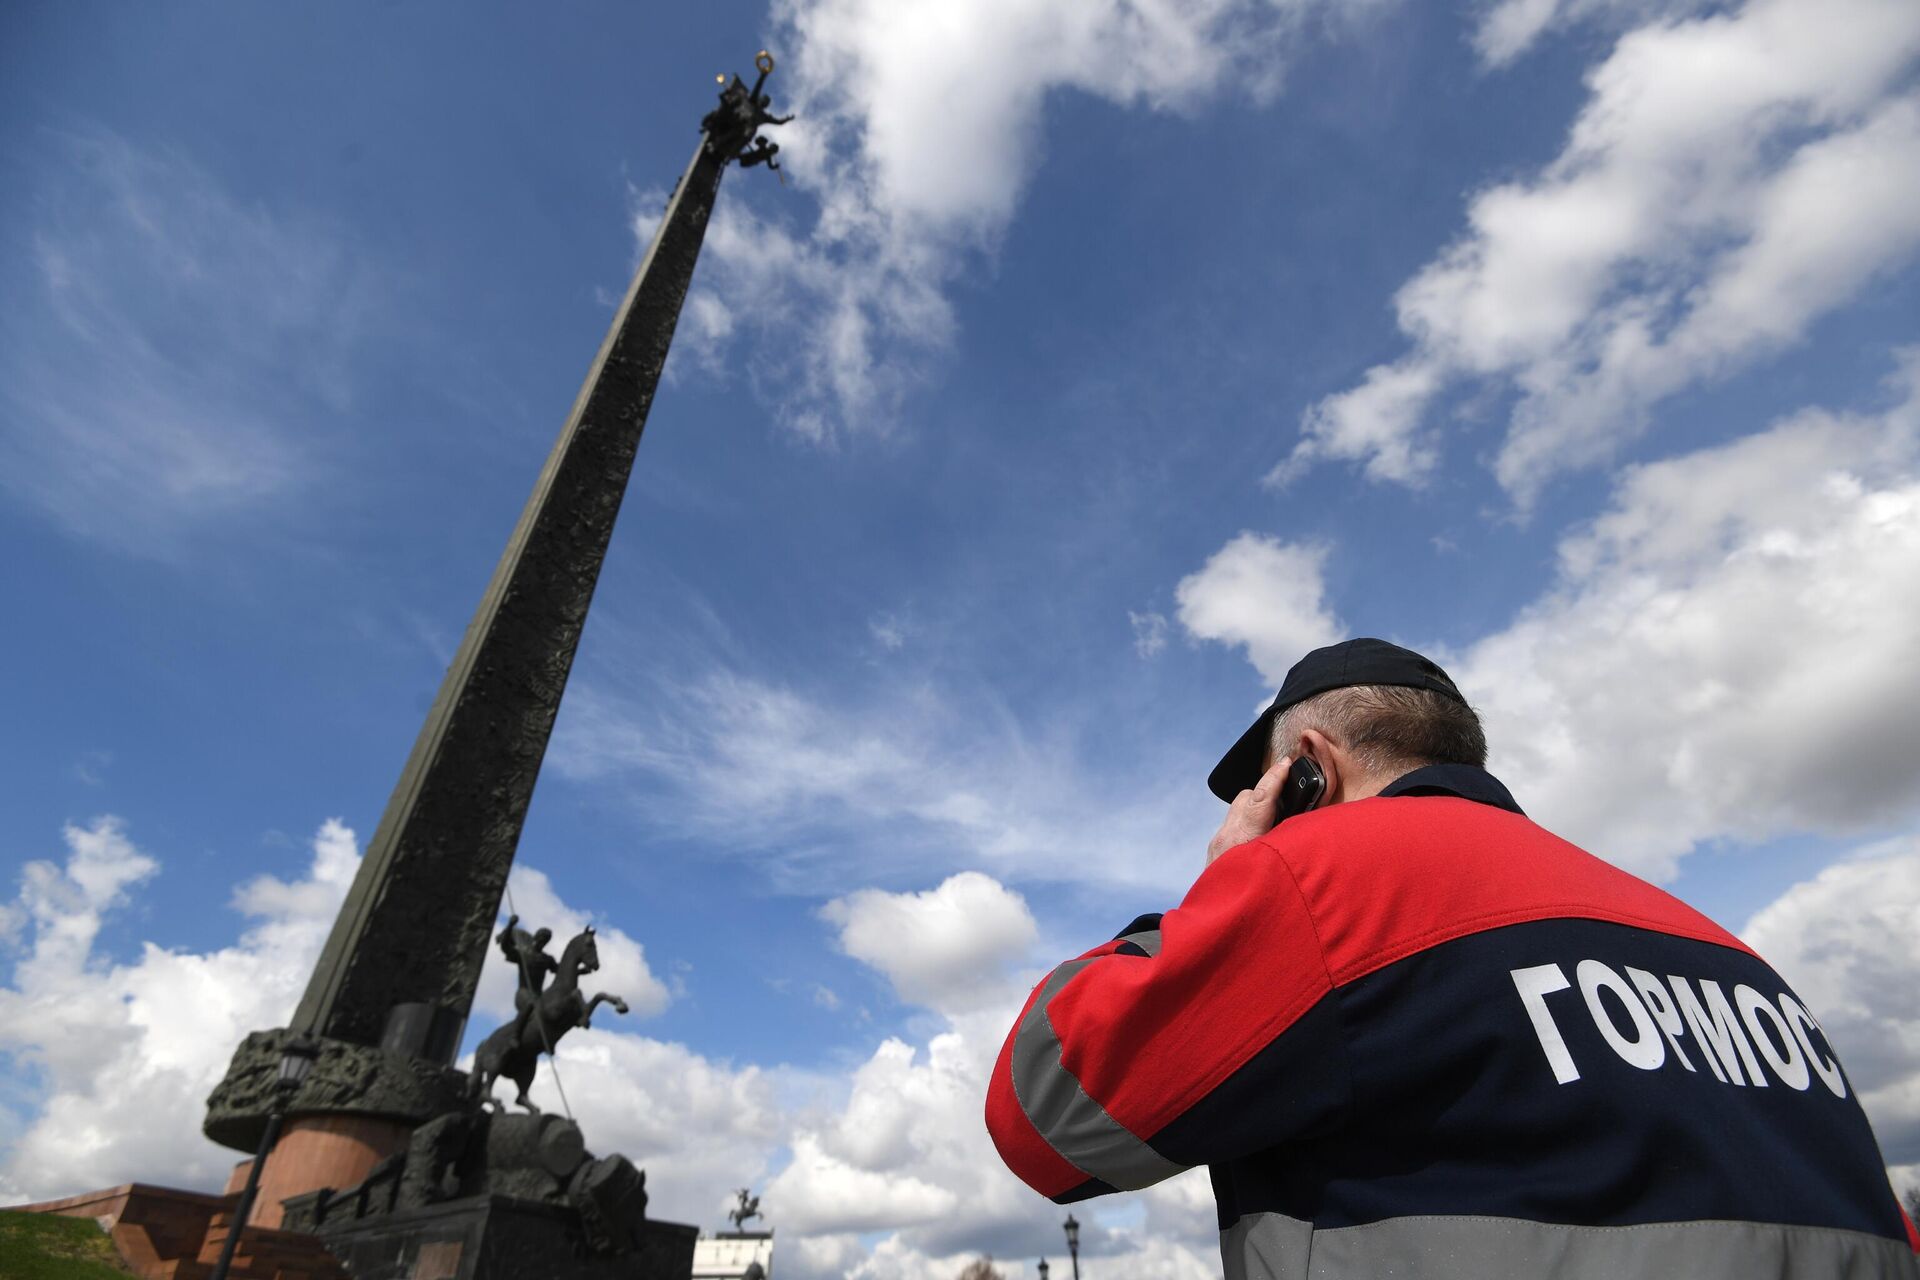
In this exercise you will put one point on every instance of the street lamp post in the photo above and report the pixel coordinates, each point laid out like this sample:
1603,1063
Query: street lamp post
1073,1244
295,1062
1043,1269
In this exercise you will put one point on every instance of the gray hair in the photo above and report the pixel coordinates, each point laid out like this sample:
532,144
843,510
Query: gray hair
1387,728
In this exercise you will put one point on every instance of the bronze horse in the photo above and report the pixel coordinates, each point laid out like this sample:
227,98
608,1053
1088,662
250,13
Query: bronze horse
514,1050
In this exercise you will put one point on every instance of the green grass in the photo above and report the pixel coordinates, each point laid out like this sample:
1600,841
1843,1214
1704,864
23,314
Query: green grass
47,1246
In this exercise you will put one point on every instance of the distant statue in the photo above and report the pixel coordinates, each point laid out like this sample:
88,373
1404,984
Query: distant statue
743,111
761,152
549,1011
749,1207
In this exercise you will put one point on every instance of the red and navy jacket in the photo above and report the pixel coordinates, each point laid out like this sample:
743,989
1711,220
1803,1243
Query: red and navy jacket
1420,1035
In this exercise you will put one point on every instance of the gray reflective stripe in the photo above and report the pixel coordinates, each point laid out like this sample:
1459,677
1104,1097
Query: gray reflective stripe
1271,1246
1148,940
1072,1122
1266,1246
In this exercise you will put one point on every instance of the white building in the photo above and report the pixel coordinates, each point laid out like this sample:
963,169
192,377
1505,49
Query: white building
734,1255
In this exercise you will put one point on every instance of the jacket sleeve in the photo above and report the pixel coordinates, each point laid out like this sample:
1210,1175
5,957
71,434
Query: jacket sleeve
1200,1036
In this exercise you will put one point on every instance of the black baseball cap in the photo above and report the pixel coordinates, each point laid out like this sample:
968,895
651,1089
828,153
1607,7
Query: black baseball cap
1338,666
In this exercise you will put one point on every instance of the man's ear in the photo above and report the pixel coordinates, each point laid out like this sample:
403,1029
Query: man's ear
1317,747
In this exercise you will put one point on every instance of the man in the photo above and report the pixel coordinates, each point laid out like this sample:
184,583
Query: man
527,953
1414,1034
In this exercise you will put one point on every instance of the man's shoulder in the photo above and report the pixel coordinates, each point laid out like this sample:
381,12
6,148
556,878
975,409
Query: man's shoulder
1416,827
1388,876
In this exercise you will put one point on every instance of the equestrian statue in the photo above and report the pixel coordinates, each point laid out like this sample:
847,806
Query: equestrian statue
542,1013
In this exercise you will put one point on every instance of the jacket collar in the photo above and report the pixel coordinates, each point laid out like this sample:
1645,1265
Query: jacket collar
1465,781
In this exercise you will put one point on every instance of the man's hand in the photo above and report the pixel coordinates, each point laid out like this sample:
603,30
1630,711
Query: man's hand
1252,813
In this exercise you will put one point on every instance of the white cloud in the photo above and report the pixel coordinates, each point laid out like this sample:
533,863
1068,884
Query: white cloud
1727,651
889,631
64,906
1842,209
1182,1210
894,1259
833,1255
821,1193
941,101
154,380
309,904
1149,632
122,1054
125,1052
918,127
1848,941
906,1156
708,323
1377,421
1153,1259
938,947
1731,178
907,1152
902,776
1263,594
698,1126
1508,28
66,903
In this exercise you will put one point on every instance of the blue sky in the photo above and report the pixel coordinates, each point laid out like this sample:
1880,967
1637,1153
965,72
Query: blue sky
1093,363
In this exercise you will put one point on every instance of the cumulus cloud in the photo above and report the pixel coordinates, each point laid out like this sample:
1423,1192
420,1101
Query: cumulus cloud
1734,624
119,1055
138,402
823,1193
908,1155
122,1054
905,1157
918,127
1848,941
1262,594
699,1126
1725,652
1731,178
64,906
907,1152
935,947
887,1171
1377,421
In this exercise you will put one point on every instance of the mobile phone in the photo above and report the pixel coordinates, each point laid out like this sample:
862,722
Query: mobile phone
1301,791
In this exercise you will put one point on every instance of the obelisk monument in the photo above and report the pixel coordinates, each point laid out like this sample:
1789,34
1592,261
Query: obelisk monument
389,998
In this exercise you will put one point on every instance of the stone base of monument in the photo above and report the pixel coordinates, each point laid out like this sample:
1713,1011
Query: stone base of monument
501,1238
482,1196
163,1233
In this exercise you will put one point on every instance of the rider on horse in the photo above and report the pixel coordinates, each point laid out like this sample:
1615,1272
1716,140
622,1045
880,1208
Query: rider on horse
527,952
510,1051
